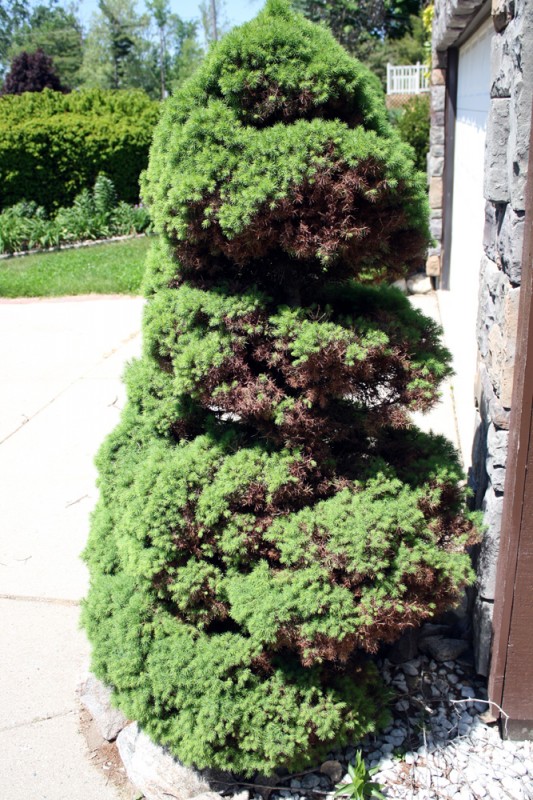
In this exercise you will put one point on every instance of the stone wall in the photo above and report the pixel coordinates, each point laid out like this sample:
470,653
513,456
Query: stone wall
505,176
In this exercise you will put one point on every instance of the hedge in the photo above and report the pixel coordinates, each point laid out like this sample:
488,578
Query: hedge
53,145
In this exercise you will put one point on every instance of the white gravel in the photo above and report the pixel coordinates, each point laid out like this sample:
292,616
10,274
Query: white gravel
436,747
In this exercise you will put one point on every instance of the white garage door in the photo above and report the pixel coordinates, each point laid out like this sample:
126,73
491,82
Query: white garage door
459,305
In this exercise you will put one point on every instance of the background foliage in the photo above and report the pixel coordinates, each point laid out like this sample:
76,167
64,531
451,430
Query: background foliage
413,125
156,49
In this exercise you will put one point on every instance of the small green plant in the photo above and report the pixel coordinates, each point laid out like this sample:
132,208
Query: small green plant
94,214
360,786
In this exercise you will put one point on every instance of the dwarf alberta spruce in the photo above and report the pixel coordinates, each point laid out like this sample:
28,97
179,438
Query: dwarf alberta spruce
268,515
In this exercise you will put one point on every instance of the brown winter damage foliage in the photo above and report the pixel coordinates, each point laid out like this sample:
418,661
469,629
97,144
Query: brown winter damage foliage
424,588
321,399
347,217
267,103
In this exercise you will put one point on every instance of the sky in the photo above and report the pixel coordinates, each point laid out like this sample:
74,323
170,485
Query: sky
236,11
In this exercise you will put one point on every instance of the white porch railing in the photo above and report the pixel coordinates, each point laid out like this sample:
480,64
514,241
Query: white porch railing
409,79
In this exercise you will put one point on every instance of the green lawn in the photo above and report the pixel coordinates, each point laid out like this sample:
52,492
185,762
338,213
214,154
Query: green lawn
115,268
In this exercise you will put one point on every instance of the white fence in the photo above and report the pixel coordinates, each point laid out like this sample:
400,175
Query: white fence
410,79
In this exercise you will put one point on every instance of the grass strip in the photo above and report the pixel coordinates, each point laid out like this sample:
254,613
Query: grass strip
113,268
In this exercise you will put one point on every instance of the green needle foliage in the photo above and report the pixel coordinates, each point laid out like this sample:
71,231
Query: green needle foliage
268,516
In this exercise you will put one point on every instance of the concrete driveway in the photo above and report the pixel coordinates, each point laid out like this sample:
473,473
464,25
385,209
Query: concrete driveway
60,367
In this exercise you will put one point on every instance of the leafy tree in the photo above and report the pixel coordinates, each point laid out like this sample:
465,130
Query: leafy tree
177,50
349,20
32,72
376,32
13,13
268,514
160,10
214,21
115,47
121,29
123,50
187,54
409,49
58,32
399,17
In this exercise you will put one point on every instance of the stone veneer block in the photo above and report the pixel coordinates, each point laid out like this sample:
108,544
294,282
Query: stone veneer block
435,227
519,127
436,135
502,12
482,629
438,76
437,118
490,231
436,165
496,185
490,406
436,188
439,59
490,546
502,64
501,363
510,242
510,315
497,442
433,266
438,97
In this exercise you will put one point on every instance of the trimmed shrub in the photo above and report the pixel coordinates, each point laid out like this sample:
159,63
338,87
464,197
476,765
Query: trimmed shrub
268,515
53,145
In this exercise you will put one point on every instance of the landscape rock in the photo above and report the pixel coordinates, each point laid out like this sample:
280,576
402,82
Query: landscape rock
443,649
333,769
156,773
401,284
406,648
95,696
419,283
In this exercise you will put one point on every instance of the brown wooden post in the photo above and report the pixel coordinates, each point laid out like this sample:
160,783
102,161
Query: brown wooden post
511,675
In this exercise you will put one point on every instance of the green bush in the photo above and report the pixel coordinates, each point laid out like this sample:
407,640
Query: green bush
52,146
93,215
268,516
413,127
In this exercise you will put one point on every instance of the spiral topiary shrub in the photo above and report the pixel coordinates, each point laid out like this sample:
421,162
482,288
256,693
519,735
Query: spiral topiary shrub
268,515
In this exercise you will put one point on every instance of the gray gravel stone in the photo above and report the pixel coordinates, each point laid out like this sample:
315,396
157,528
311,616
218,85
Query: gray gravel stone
310,781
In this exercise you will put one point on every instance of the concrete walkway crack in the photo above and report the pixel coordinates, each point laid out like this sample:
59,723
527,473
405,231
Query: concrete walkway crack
39,410
108,355
35,720
57,601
